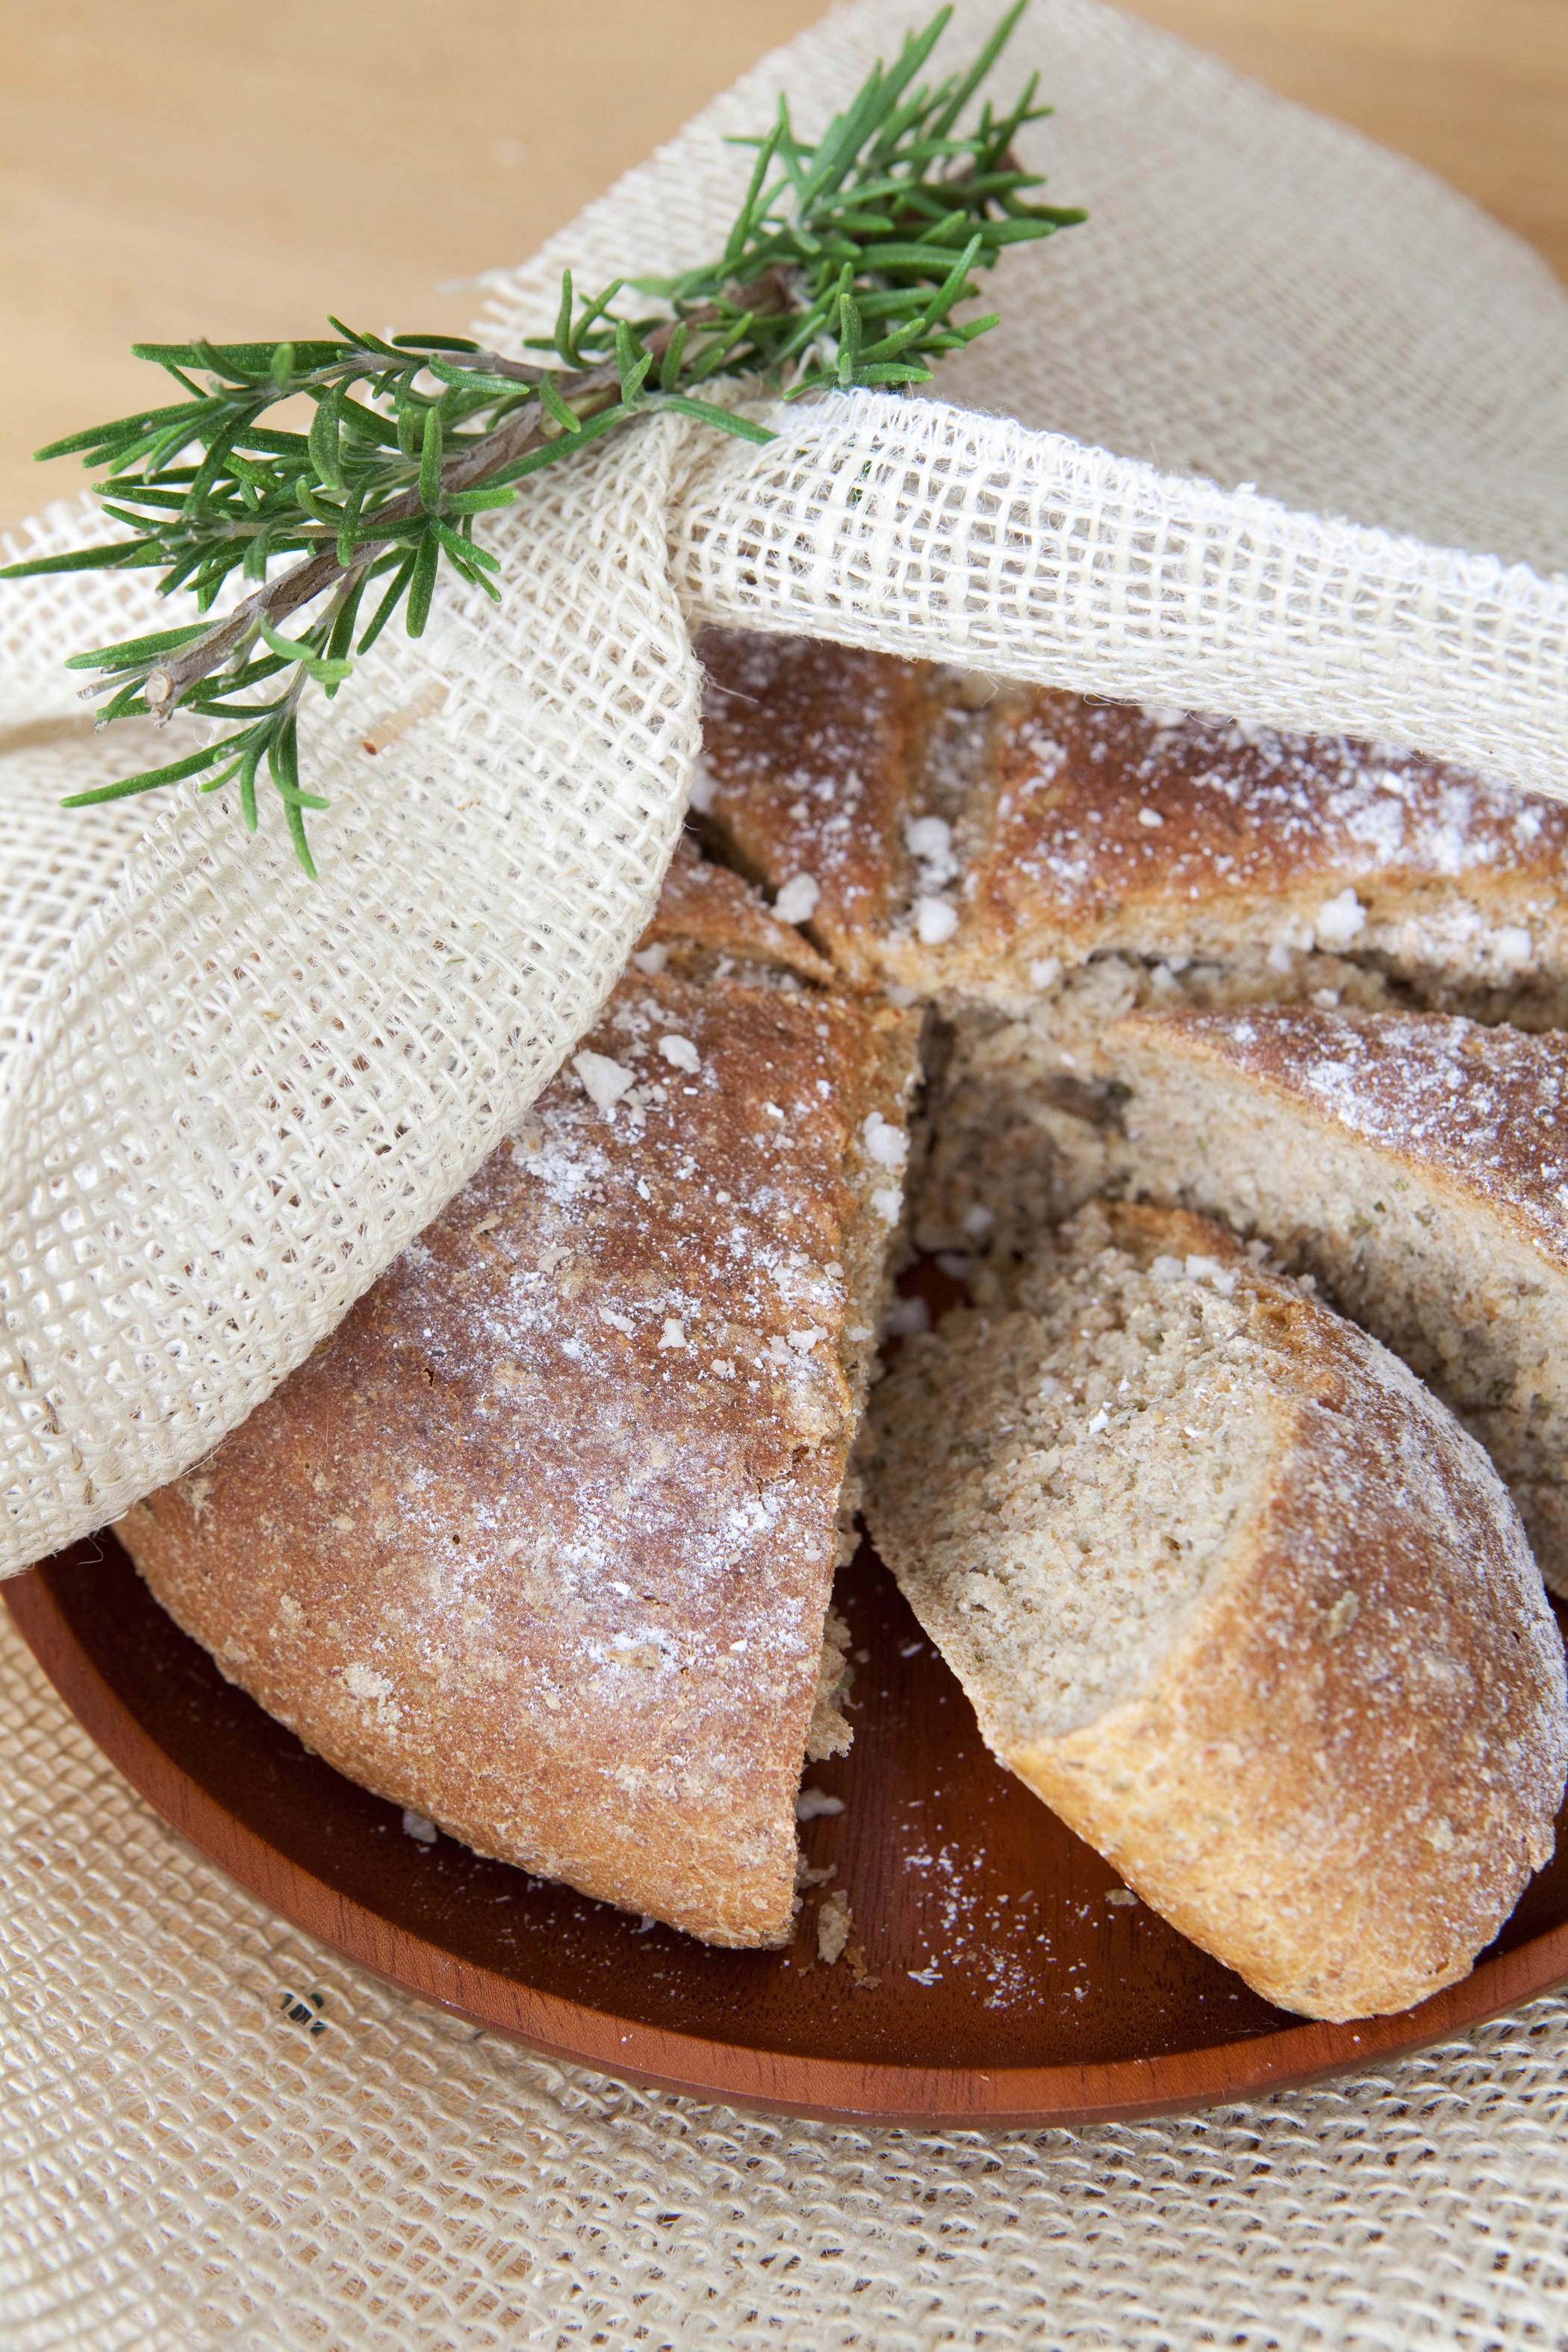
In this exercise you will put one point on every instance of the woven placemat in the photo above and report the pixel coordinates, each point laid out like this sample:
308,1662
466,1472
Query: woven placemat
218,2133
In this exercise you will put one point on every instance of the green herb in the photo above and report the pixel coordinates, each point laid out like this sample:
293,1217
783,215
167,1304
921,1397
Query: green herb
844,266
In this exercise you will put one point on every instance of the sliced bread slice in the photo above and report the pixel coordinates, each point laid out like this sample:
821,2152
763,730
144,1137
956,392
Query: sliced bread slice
1239,1599
1416,1166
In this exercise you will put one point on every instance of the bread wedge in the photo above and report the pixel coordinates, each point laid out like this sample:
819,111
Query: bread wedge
1416,1166
540,1543
1236,1596
1020,852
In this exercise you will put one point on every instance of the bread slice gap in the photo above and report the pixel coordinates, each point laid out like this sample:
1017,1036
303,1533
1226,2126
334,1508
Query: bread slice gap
1239,1599
540,1543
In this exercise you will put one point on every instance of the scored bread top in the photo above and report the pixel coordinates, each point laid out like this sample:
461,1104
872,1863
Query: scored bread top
540,1542
1314,1707
707,916
970,842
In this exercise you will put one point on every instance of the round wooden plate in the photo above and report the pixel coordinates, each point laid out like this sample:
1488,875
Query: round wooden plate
993,1977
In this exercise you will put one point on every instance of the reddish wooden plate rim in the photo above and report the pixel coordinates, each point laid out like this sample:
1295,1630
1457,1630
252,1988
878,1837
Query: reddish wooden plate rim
776,2081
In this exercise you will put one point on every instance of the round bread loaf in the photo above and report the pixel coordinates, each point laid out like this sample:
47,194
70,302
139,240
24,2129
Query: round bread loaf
497,1549
1239,1600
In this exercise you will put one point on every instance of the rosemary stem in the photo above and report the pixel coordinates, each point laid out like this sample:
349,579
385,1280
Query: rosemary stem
587,393
846,267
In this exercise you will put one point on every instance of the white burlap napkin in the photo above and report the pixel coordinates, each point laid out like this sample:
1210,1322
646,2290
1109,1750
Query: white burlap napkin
189,2167
1280,433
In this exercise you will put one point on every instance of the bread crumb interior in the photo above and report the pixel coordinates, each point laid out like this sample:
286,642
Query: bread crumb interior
1100,1445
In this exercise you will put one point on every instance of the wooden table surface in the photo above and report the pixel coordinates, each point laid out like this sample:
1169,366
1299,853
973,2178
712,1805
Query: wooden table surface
189,166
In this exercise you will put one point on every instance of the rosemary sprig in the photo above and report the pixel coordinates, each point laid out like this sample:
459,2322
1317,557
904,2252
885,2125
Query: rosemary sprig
846,266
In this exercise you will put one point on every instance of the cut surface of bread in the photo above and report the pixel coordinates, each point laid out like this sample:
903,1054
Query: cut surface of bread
1239,1600
1418,1166
540,1543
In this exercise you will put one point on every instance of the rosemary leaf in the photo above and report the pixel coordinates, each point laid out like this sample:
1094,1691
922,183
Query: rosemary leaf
845,265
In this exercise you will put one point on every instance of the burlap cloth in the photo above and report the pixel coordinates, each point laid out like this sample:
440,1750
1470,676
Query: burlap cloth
232,1099
188,2164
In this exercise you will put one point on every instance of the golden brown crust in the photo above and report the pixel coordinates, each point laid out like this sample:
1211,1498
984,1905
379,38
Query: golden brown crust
1346,1764
706,913
540,1542
1081,828
602,1665
1117,828
807,751
1350,1765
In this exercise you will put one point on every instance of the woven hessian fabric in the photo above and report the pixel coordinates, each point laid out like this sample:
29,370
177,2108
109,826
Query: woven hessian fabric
1281,434
189,2167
